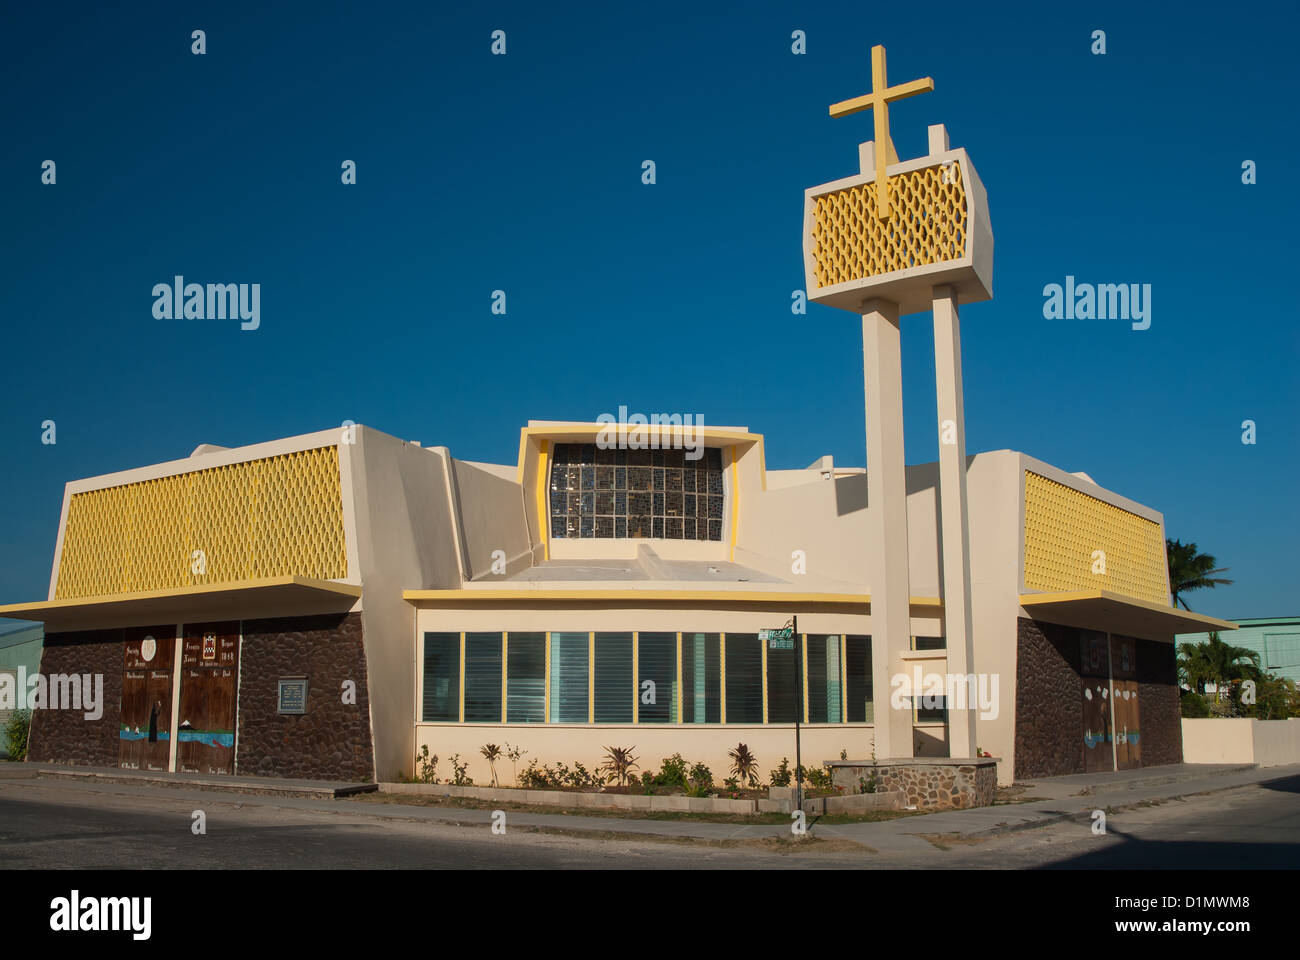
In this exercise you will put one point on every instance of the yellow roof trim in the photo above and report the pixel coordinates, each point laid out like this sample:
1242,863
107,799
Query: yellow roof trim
487,595
42,609
561,431
1078,597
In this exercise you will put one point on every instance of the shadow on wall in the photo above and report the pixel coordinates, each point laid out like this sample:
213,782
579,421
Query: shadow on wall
851,491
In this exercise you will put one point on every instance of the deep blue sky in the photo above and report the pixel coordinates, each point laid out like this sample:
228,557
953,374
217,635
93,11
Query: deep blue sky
523,173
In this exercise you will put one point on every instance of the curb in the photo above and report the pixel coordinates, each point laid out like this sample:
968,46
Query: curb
216,786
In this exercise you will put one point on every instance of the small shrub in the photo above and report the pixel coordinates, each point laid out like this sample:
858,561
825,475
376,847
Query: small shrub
672,772
426,767
731,783
535,776
699,789
819,778
1194,706
458,771
647,783
780,777
17,731
579,777
701,774
513,754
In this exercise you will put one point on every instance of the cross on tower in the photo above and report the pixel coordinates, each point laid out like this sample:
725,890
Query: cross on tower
878,101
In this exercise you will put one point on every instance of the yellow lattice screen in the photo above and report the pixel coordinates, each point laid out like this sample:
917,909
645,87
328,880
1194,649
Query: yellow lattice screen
927,225
1062,529
261,518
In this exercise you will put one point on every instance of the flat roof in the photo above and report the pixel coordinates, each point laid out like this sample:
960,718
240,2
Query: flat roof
1105,610
245,600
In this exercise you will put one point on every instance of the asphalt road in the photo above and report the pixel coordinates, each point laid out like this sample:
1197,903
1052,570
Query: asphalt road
57,824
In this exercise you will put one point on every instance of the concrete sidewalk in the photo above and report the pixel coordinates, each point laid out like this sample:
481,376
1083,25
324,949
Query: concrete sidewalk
1062,800
265,786
907,834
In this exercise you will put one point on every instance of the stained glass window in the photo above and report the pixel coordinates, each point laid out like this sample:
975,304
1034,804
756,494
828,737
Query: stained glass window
661,494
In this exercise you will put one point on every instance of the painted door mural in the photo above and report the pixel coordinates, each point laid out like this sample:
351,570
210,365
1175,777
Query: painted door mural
209,681
1128,739
144,733
1098,754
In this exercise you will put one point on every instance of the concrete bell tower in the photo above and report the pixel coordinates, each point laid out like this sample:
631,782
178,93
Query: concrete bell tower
903,237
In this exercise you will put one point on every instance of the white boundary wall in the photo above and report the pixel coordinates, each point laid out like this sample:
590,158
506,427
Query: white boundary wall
1268,743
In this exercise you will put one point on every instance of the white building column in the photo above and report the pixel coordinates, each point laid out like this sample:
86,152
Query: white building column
891,624
955,528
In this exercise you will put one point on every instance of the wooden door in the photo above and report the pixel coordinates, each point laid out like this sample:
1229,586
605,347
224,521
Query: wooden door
144,731
1128,746
209,681
1098,753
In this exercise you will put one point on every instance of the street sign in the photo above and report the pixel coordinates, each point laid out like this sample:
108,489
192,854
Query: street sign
782,639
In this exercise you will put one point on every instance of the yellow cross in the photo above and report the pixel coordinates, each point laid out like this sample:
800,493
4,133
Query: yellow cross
878,101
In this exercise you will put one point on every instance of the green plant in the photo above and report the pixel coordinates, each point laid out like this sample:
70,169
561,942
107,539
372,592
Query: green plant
870,784
672,772
701,774
579,777
426,767
17,731
1193,705
744,765
535,776
1190,570
1214,661
618,765
819,778
780,777
513,754
1275,698
844,754
491,752
647,782
731,783
458,771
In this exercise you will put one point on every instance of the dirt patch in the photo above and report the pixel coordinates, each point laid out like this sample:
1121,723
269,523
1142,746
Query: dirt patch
946,841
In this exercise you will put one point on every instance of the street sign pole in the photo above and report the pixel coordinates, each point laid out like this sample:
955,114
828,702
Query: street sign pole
798,716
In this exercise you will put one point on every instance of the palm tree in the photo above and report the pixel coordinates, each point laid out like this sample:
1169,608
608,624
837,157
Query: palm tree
1189,570
1216,662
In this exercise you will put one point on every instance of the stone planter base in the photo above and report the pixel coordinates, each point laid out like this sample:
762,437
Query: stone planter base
929,783
565,798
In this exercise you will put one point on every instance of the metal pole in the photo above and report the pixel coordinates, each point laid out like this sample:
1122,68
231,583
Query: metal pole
798,752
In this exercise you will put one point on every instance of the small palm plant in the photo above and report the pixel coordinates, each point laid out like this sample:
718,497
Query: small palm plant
491,753
744,765
619,762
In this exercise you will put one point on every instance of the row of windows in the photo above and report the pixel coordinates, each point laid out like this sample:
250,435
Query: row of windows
612,677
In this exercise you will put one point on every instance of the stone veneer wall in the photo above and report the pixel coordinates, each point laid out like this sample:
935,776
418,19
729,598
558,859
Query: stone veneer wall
1049,701
927,786
66,736
331,741
1160,717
